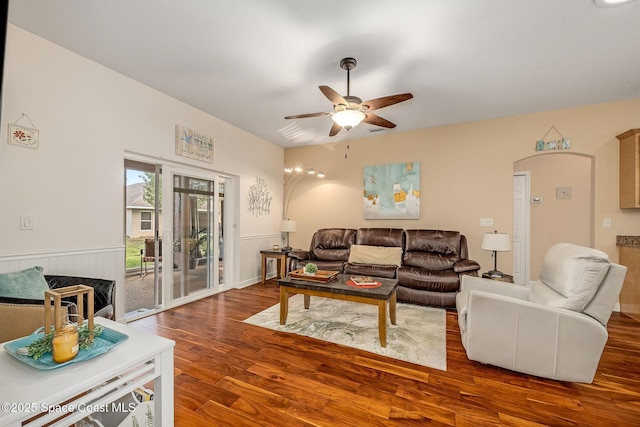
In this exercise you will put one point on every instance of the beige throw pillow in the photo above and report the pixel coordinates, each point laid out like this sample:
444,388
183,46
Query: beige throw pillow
381,255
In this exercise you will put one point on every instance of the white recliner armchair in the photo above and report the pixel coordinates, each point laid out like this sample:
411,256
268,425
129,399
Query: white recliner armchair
554,329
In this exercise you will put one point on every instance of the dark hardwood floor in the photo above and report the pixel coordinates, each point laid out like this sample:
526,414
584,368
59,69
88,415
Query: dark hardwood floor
228,373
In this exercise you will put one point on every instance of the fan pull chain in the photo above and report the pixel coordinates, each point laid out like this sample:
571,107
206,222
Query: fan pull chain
346,147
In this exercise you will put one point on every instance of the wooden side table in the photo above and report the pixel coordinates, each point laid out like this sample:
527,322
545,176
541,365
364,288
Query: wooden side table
505,277
281,258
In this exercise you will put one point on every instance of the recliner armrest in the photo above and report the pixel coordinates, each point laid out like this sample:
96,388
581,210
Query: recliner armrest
466,265
469,283
299,254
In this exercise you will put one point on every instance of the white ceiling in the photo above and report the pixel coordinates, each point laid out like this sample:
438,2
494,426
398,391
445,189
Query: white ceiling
253,62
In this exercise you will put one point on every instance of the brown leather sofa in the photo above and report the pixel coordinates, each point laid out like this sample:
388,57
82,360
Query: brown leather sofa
428,273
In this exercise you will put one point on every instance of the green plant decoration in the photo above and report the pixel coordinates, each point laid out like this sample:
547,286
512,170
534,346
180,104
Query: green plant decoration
310,268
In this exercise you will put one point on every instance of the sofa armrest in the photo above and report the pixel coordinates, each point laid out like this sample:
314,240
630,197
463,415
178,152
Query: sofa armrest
299,254
465,266
535,339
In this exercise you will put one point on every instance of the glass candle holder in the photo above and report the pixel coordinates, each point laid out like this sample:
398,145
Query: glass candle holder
65,344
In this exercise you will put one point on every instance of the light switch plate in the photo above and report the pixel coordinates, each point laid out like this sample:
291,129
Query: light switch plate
26,223
486,222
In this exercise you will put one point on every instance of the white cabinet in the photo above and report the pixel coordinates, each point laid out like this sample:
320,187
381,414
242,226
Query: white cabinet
73,392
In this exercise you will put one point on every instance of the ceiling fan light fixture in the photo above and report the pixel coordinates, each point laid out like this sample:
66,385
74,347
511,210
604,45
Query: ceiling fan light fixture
348,118
611,3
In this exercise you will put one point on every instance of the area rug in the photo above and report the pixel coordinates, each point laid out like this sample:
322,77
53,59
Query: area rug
419,336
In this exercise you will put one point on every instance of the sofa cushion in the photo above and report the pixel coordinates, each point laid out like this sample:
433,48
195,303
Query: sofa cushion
29,283
390,237
572,275
428,280
432,249
332,244
439,241
542,294
21,317
381,255
375,270
424,297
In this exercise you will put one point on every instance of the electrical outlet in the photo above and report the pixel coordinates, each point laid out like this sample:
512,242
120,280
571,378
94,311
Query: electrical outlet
606,223
486,222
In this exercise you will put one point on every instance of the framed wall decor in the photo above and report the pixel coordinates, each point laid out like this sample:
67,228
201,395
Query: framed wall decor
194,144
23,136
392,191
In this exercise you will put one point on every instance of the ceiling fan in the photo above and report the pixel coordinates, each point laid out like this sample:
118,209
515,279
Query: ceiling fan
349,111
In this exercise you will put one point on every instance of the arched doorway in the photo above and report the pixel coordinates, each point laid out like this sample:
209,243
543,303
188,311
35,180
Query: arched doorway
559,208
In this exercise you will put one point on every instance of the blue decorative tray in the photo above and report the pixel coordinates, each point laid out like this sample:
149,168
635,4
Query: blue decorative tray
103,343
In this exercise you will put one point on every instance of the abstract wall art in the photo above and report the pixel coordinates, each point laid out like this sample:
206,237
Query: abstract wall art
392,191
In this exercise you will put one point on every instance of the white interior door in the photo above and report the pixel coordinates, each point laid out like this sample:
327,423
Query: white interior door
521,226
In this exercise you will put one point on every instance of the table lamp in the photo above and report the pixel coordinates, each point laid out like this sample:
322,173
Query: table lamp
496,242
287,226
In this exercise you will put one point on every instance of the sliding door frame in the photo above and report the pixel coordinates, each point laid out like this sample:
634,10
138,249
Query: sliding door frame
169,169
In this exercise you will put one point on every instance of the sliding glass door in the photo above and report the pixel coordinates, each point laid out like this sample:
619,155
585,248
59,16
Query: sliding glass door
143,244
198,252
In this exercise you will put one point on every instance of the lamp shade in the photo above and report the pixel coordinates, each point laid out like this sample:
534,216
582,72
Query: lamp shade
348,118
288,225
496,242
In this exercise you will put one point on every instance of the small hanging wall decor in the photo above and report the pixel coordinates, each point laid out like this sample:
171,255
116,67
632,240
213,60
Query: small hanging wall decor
23,136
557,144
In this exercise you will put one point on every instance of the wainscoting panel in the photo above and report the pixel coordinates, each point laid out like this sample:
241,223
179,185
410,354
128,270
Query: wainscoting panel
249,258
107,263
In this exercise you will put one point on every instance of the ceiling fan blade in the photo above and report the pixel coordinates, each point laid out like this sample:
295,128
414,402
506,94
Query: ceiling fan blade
335,129
373,119
374,104
332,95
304,116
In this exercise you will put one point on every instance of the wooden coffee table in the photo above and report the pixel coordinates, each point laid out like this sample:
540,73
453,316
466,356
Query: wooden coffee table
339,289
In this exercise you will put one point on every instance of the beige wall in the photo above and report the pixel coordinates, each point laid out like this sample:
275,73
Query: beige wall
554,219
467,172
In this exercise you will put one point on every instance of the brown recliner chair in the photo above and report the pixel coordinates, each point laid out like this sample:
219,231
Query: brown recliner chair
432,264
329,250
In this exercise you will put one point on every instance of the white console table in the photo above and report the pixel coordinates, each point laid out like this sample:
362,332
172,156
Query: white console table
94,383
